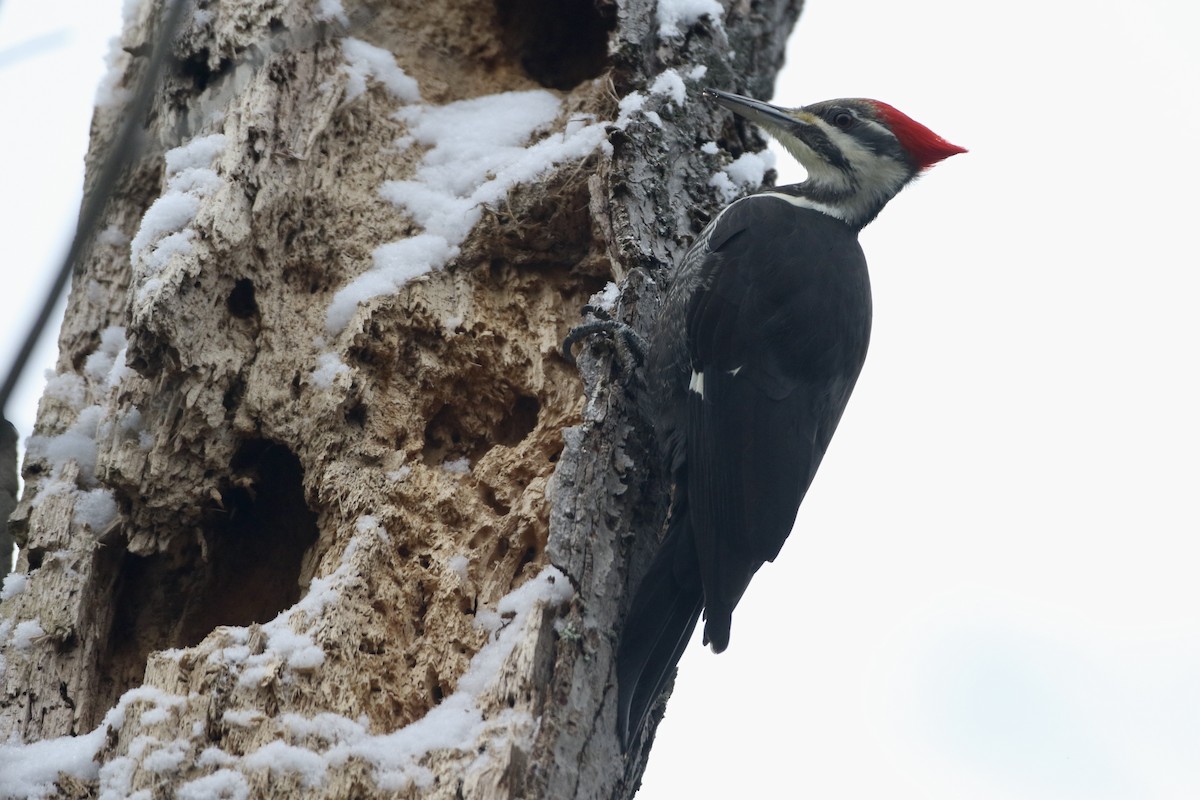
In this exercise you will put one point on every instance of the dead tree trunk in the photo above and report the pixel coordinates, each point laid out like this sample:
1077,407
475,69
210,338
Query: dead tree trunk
315,506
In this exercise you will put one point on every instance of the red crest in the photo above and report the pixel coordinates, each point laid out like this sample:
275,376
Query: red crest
925,146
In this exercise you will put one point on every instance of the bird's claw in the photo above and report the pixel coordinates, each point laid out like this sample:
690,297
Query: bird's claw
629,345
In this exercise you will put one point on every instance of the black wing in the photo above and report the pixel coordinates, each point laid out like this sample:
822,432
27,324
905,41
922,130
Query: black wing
777,334
774,332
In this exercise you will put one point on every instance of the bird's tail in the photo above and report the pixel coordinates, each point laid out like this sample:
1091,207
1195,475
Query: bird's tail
657,629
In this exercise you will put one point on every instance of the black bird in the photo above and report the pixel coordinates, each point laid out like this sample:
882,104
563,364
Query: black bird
761,337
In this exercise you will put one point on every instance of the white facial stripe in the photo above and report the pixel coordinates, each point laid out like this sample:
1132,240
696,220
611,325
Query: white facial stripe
872,177
819,170
871,168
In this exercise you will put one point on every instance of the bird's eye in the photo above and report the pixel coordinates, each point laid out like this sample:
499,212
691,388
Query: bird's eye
843,119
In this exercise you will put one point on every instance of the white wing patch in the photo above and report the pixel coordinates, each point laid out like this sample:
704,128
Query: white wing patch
697,383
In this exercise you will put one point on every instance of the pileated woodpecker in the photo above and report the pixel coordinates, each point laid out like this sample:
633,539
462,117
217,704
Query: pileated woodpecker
761,338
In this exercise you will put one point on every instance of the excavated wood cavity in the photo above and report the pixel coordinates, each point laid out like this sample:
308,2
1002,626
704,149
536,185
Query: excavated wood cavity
467,48
559,43
452,435
242,567
255,540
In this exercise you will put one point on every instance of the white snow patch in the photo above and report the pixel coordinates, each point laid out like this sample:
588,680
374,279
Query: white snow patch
116,778
245,718
458,466
710,147
745,173
477,153
31,770
750,168
327,727
166,759
676,16
131,421
279,757
164,232
394,265
329,366
298,649
199,153
100,365
105,367
25,632
224,784
199,181
51,487
725,186
120,370
633,103
14,584
77,443
110,92
697,72
215,757
141,694
459,565
365,61
96,509
234,654
150,287
154,716
139,746
670,83
606,298
68,388
331,10
169,214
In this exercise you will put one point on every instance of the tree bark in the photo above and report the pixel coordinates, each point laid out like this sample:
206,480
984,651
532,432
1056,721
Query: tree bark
277,543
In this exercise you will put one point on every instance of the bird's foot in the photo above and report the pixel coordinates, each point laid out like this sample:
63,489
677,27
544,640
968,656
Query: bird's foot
628,344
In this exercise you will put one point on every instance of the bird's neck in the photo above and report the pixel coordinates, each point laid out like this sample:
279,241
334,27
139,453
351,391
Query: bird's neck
852,202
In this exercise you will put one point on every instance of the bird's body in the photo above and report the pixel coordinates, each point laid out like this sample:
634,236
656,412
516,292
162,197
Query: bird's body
761,337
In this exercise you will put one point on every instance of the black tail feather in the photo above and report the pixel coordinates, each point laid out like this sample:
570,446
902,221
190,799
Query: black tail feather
716,629
660,622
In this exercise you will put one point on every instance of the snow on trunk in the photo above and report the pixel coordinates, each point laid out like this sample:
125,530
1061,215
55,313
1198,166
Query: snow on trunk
315,505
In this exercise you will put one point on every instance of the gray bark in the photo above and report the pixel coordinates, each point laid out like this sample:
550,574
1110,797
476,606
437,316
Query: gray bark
283,546
8,492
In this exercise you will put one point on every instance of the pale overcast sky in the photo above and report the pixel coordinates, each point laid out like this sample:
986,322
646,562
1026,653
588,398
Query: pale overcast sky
991,591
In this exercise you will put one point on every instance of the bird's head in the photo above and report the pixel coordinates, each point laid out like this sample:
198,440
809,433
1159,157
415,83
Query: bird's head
858,153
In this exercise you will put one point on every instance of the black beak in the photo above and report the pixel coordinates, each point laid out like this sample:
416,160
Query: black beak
771,117
796,129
